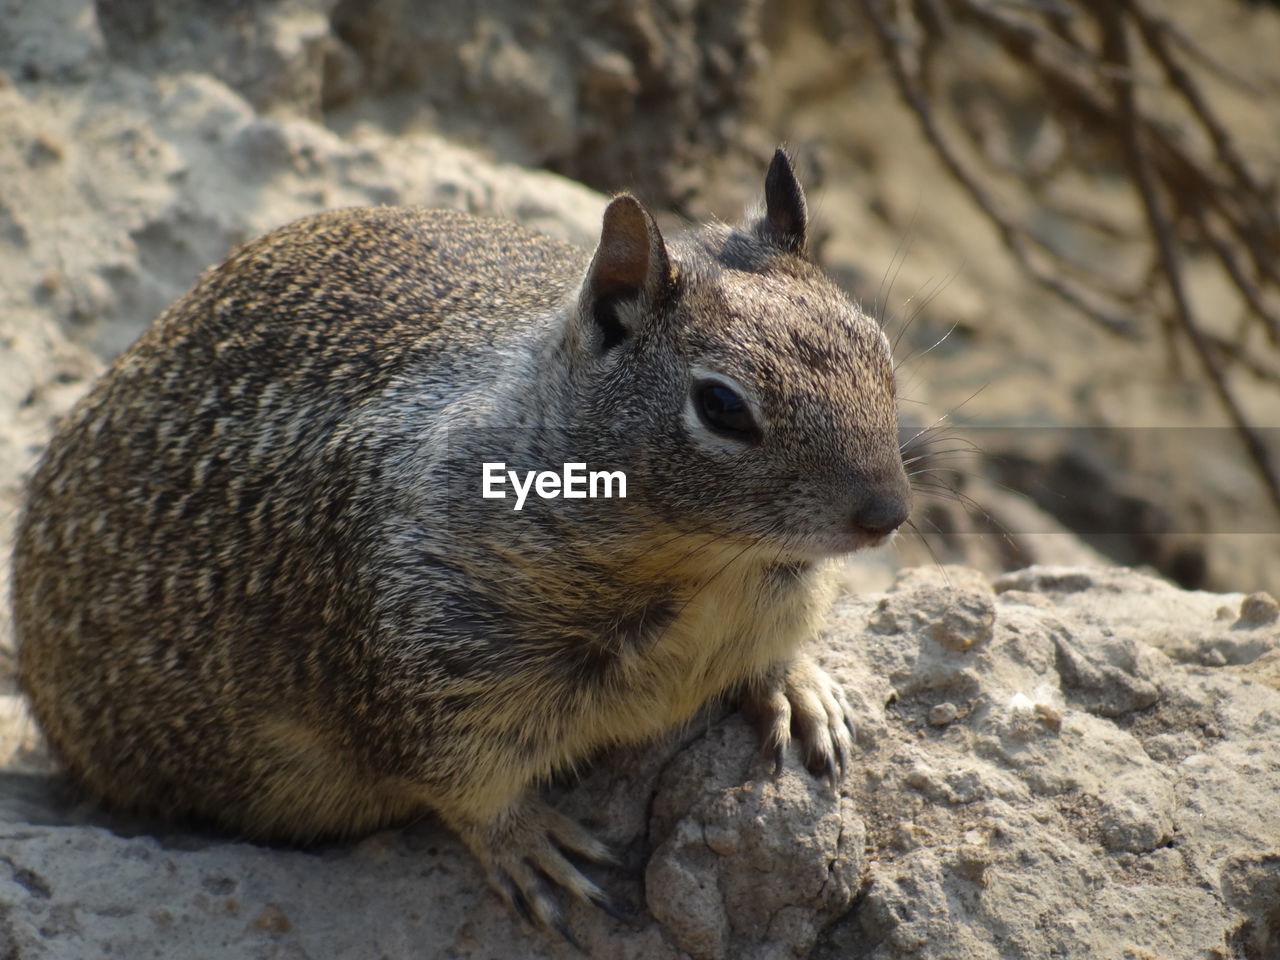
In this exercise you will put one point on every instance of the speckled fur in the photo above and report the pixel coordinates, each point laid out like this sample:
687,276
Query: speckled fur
248,586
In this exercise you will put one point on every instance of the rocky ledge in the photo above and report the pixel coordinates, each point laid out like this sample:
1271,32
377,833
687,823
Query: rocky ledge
1065,762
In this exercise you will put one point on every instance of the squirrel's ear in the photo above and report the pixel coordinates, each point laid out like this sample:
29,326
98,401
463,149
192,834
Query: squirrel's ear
630,265
786,215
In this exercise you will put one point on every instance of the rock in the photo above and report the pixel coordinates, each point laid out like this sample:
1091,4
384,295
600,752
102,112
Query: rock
717,831
1258,610
614,93
56,40
1092,837
966,622
943,713
21,746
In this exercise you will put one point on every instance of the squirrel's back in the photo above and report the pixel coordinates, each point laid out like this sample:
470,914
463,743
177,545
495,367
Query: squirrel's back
341,301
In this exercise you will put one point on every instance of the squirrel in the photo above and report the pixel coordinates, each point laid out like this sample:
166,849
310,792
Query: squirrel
256,582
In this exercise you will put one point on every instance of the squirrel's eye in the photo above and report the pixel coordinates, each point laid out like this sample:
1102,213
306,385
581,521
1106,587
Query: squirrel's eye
724,412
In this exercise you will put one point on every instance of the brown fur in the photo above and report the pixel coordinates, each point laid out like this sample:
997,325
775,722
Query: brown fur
254,581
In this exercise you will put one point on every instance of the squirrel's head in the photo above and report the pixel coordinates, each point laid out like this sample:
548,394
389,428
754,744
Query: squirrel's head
743,393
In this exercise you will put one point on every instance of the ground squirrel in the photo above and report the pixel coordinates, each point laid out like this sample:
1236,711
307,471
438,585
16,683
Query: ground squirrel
256,580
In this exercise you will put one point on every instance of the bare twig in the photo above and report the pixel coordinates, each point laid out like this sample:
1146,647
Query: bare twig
1116,49
1198,194
1073,87
1153,30
1248,289
1014,235
1196,52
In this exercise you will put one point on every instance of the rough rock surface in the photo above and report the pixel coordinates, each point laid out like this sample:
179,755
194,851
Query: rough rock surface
612,92
1102,785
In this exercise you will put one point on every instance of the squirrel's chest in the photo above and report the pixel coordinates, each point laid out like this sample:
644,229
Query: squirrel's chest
730,628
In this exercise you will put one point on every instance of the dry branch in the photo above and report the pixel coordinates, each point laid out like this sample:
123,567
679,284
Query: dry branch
1197,190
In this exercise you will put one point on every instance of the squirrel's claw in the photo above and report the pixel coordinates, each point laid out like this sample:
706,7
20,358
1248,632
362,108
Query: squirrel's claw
562,928
514,896
524,853
611,907
779,759
765,704
800,697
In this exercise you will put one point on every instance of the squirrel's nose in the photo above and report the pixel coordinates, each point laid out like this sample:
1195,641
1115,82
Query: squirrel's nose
882,514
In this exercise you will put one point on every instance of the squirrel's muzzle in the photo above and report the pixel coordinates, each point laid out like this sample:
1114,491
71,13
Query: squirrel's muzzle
882,515
883,507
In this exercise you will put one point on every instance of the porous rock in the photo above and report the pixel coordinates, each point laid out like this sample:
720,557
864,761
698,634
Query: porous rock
1048,817
719,827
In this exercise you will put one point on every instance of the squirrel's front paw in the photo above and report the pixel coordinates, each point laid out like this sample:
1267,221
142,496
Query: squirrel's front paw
799,698
523,853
